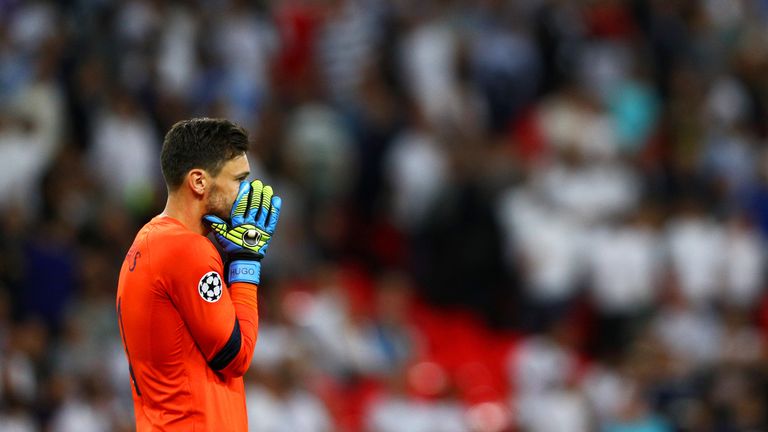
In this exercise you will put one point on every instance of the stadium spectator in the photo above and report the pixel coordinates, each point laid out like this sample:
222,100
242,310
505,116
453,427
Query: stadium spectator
493,210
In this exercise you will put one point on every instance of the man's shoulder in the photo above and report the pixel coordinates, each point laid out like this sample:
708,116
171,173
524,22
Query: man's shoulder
168,238
178,255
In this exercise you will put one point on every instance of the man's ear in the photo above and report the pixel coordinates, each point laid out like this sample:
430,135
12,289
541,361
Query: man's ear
197,180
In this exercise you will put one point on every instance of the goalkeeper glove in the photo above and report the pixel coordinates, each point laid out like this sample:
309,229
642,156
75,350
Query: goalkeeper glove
252,223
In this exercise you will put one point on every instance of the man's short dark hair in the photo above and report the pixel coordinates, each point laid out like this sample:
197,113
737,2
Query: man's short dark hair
200,143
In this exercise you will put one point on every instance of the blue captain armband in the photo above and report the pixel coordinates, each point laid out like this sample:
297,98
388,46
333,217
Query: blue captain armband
247,271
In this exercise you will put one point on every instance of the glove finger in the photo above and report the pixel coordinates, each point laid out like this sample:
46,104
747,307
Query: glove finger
255,200
216,224
213,219
274,214
240,206
266,203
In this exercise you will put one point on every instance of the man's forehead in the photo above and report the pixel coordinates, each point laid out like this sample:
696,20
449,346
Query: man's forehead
237,165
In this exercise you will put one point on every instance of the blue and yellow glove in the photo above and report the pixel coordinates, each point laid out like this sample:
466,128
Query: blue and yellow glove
252,223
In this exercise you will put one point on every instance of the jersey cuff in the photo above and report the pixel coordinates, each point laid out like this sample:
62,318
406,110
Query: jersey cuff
229,351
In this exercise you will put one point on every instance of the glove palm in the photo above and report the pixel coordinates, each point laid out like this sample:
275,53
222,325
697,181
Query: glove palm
253,219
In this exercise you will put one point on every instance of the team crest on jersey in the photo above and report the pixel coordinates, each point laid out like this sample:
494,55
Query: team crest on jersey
210,287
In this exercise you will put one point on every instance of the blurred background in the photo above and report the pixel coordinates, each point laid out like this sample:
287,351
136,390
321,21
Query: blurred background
533,215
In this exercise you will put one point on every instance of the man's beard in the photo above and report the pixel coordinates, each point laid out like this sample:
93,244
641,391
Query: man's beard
217,204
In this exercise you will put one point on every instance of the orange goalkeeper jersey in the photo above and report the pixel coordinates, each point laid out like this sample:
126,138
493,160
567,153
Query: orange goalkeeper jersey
188,338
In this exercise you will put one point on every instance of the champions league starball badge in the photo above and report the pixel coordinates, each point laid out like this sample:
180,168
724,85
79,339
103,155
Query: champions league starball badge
210,287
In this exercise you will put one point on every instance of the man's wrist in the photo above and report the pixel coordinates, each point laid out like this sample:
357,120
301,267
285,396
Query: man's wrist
244,270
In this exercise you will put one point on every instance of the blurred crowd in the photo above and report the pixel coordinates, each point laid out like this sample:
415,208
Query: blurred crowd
534,215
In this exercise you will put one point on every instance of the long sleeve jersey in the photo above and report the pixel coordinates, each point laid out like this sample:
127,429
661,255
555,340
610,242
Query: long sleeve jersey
187,336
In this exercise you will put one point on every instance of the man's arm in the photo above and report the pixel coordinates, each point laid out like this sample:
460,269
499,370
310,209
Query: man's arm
244,299
223,321
246,238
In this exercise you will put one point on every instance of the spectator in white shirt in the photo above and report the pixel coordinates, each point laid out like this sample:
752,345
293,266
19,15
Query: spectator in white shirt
626,270
276,403
416,167
124,150
547,247
691,335
744,263
696,244
397,411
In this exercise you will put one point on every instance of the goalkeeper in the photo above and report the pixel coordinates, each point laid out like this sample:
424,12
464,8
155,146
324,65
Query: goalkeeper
189,328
